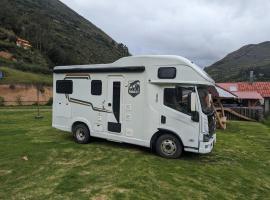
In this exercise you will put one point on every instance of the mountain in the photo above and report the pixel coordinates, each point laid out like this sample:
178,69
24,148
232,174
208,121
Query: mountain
58,35
237,65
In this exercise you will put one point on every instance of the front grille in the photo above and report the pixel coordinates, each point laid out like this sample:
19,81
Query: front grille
206,138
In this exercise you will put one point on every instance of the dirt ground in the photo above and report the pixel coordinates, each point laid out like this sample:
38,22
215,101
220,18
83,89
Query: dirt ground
21,94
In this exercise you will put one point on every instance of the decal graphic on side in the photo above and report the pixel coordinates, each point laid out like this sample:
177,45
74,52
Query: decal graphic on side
134,88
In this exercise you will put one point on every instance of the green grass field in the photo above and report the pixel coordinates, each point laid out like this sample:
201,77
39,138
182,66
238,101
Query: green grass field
57,168
16,76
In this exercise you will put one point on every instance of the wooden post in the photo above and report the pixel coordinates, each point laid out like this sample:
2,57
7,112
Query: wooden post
38,116
221,120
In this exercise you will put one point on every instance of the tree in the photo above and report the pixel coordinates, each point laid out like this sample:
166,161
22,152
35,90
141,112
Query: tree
57,55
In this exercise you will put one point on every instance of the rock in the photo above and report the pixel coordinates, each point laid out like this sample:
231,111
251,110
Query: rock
25,158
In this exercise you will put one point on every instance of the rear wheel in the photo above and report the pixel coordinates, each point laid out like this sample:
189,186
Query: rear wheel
169,146
81,133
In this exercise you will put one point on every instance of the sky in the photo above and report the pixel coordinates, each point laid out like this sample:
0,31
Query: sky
203,31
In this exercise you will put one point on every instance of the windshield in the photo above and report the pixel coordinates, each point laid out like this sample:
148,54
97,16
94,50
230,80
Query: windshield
206,100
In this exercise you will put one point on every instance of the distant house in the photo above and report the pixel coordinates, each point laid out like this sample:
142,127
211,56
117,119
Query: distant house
250,94
6,55
23,43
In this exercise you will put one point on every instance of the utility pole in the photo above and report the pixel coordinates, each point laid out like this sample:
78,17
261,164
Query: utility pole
251,77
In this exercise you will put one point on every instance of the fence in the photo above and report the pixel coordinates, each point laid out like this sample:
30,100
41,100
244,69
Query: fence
244,113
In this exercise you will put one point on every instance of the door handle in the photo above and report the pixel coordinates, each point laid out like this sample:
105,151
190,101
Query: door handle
109,104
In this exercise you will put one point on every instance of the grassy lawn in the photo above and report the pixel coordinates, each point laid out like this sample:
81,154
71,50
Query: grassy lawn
57,168
12,76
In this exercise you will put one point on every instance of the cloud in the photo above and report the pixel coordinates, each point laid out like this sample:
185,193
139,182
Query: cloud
203,31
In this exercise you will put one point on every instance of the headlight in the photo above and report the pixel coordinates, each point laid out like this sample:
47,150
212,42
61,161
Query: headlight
205,126
206,138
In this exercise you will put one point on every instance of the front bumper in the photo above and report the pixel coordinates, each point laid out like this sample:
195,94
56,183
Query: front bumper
207,147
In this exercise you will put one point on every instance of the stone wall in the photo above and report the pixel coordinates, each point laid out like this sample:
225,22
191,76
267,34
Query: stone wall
22,94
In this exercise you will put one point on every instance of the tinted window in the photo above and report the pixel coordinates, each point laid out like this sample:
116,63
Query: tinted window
167,72
178,99
96,87
64,86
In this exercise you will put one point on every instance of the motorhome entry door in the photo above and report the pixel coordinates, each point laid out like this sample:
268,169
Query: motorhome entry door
114,101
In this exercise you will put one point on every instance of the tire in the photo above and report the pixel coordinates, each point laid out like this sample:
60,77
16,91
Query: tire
169,146
81,134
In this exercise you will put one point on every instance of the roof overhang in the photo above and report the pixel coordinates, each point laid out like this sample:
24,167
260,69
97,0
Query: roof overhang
130,69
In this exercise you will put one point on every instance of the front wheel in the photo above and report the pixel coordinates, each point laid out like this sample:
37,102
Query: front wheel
169,146
81,134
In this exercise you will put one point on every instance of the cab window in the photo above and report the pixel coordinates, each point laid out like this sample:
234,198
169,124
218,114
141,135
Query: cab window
178,98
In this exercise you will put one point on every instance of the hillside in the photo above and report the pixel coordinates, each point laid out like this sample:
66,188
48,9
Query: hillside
58,35
237,65
19,77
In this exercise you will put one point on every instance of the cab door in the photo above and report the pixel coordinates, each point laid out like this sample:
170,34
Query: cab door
176,115
114,104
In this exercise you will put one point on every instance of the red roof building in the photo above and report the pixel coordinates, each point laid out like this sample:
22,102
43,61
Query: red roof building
23,43
263,88
248,95
250,91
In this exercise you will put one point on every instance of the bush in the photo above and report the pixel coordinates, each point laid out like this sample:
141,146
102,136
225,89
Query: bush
32,68
25,67
266,121
2,101
12,86
50,102
57,55
19,100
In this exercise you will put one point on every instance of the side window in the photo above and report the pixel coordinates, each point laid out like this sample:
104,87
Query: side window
166,72
96,87
178,99
64,86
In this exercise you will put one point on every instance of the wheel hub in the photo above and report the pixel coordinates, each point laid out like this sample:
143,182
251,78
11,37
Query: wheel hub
80,134
168,147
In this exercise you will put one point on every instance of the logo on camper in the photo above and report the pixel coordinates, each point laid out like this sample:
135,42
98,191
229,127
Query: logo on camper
134,88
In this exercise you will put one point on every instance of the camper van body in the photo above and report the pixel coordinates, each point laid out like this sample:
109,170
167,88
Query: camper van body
129,101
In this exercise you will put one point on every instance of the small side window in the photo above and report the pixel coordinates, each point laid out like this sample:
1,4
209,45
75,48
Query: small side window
96,87
167,72
64,86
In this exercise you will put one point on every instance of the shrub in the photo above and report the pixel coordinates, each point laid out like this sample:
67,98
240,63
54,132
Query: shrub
2,101
19,100
35,104
12,86
50,102
266,120
12,38
30,67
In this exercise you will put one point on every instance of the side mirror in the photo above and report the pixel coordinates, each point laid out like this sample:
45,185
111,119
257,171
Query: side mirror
193,102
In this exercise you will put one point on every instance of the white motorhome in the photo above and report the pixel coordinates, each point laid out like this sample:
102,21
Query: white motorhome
160,102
